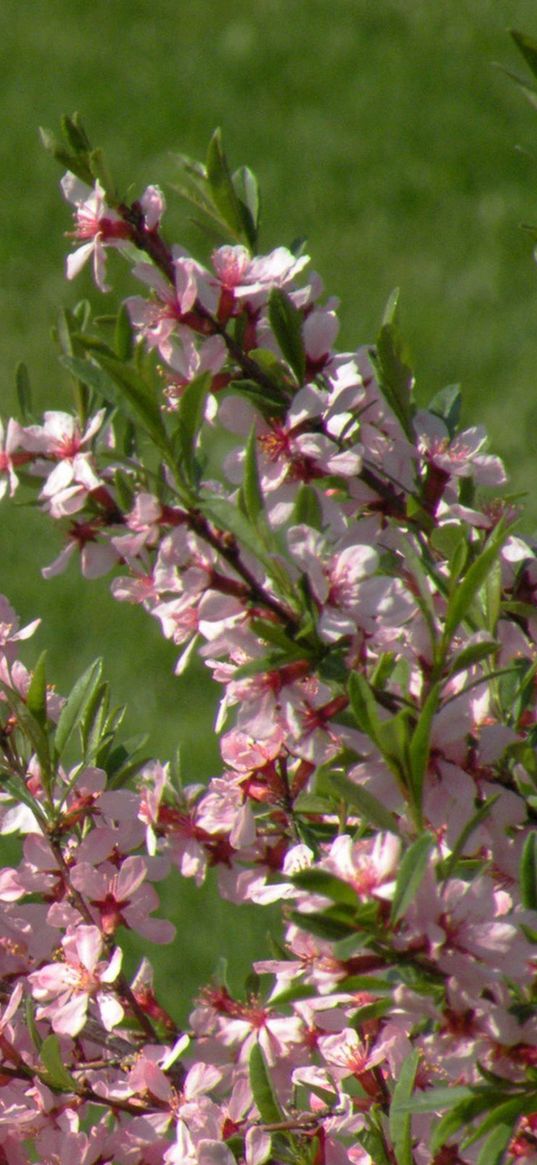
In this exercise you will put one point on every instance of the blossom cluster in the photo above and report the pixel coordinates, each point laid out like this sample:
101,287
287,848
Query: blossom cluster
341,561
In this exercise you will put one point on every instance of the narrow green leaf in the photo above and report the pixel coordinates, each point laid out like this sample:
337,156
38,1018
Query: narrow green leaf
251,492
124,335
262,1090
286,323
356,797
363,705
307,508
528,872
74,133
419,747
492,597
411,871
29,1016
528,47
100,172
228,517
222,188
322,882
494,1149
448,865
140,395
530,93
323,925
190,417
395,374
34,730
463,595
73,710
400,1122
503,1116
247,191
268,402
78,164
446,1096
447,404
461,1113
93,722
36,696
375,1146
122,387
57,1075
393,740
474,653
18,791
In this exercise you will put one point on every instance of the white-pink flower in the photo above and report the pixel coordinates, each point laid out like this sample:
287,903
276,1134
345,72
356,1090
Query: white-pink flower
65,989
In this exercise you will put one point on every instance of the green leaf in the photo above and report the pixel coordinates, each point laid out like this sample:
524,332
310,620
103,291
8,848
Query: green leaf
93,722
247,191
419,747
528,47
371,810
100,172
19,792
262,1090
74,709
327,925
322,882
78,164
36,696
74,133
465,592
395,375
251,493
446,1096
34,731
30,1020
503,1116
57,1075
374,1144
286,323
190,417
229,518
222,188
363,705
474,653
122,387
449,864
529,92
446,404
269,403
307,507
124,335
494,1149
400,1122
411,871
461,1113
528,872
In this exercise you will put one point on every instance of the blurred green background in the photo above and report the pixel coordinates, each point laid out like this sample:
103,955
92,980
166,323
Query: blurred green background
381,131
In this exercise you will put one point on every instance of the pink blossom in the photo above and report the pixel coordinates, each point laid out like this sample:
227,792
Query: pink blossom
119,898
94,221
71,984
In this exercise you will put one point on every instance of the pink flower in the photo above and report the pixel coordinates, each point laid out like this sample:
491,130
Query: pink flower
94,221
119,899
244,276
71,984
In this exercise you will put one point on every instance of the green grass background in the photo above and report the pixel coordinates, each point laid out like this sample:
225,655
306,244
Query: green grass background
379,129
